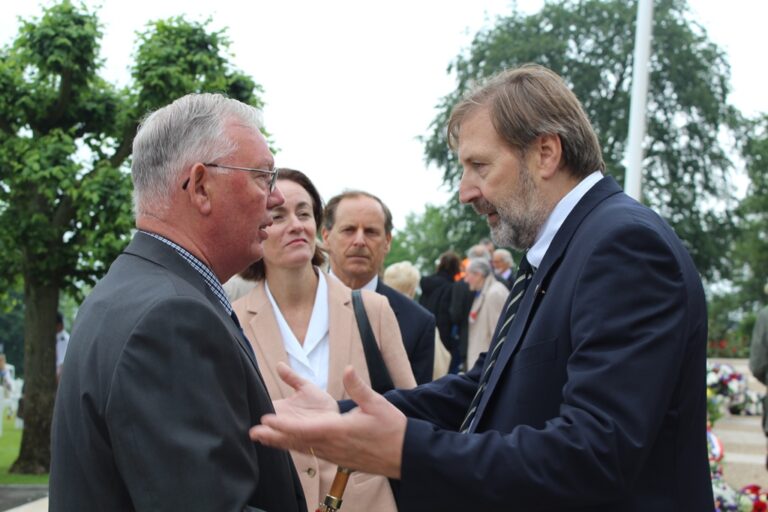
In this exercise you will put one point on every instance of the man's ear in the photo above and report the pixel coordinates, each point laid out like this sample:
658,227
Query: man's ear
389,242
547,153
199,187
324,233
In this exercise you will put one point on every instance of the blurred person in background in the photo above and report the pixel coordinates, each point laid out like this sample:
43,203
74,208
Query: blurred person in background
503,262
462,298
489,299
488,244
62,340
404,277
436,295
6,379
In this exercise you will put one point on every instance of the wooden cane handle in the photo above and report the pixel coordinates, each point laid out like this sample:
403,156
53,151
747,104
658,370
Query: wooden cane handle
340,482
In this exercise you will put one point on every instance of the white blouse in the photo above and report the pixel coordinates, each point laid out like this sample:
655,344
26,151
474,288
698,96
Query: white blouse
311,359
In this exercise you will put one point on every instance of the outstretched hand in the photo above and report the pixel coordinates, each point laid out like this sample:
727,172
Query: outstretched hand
368,438
307,401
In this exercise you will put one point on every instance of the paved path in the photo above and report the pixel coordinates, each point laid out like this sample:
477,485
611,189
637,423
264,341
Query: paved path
24,498
744,446
744,443
40,505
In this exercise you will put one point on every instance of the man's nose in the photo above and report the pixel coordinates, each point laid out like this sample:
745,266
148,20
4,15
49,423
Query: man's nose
468,191
359,238
275,198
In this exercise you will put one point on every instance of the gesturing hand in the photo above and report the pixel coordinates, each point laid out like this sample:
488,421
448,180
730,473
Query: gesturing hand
368,438
307,401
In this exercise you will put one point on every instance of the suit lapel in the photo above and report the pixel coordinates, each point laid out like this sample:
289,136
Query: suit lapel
556,251
384,290
154,250
236,332
267,339
341,320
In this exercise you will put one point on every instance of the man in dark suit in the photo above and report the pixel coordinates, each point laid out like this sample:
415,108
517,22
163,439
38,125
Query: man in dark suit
591,396
160,384
357,233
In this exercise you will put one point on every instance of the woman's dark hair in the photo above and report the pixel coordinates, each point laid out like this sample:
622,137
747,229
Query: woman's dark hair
257,271
449,263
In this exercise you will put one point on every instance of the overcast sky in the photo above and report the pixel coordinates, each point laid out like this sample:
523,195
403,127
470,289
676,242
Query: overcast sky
350,85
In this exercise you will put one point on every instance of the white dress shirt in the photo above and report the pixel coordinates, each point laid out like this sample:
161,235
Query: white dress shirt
561,211
311,359
370,285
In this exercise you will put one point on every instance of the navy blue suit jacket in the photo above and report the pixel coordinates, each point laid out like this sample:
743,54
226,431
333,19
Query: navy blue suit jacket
417,328
597,401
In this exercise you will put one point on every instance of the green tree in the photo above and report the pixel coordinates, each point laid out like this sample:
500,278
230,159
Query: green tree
590,44
750,253
65,193
732,307
426,235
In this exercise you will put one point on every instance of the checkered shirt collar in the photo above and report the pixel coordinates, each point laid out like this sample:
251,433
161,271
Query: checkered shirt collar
210,279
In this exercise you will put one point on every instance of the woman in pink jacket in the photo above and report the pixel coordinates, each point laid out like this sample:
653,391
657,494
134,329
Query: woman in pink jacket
301,316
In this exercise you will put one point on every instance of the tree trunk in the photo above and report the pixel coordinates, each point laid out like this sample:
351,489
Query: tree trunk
41,301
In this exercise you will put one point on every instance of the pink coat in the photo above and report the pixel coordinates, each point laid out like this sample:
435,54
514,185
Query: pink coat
364,491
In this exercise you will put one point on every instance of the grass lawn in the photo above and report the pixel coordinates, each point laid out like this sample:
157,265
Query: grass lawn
10,442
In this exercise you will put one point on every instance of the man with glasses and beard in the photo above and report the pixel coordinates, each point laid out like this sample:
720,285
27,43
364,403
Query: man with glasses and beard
592,393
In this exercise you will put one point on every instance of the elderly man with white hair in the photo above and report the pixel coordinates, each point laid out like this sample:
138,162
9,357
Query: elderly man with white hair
159,384
503,262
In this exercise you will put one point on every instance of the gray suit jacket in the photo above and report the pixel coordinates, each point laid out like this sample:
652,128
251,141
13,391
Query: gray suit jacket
157,395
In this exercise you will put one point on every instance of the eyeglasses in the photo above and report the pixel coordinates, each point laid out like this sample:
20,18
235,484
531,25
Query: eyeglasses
270,184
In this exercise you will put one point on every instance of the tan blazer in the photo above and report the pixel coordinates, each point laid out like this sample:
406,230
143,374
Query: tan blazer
486,309
364,492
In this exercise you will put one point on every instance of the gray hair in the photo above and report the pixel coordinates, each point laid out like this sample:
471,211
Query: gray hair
478,251
479,266
505,255
189,130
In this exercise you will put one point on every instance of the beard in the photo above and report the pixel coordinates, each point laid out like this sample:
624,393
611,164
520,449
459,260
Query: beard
521,214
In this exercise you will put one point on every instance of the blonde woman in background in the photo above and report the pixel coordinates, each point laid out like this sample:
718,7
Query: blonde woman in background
404,277
298,315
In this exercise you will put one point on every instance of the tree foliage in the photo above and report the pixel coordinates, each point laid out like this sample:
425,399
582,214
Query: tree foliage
65,193
590,44
750,251
424,237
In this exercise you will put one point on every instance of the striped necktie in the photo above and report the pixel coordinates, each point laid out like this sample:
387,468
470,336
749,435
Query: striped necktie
523,277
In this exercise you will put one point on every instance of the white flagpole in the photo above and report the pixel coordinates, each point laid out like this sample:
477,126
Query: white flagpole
640,71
